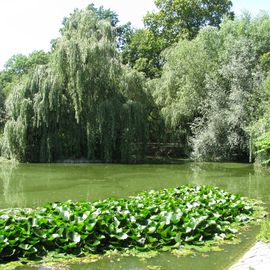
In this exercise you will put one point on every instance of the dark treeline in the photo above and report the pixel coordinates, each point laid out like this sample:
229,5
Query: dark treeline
196,79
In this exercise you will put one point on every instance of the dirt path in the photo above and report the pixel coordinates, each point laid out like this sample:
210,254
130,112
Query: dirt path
258,258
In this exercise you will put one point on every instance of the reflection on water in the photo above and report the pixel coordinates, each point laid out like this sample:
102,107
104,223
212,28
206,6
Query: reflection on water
13,194
246,179
31,185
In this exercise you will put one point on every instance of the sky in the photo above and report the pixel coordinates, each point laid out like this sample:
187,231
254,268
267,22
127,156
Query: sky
28,25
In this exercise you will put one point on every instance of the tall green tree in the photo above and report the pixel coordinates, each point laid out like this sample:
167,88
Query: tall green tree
233,94
83,103
210,89
174,20
180,90
16,70
257,31
19,66
184,18
143,53
122,32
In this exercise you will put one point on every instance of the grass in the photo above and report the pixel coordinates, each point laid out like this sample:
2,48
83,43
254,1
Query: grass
264,234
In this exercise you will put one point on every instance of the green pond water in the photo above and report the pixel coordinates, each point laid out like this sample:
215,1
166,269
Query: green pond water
31,185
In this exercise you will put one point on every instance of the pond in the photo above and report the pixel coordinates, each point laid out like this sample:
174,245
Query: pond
31,185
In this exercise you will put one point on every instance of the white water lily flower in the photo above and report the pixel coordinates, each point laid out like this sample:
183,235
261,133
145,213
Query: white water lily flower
168,218
124,236
76,237
66,214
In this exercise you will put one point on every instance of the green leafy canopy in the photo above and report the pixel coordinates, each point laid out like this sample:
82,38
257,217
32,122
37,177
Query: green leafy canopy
82,104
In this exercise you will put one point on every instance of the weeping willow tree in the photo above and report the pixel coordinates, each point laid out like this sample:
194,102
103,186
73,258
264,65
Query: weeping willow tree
83,103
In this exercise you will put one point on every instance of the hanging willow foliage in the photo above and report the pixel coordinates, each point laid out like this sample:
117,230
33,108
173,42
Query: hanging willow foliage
83,104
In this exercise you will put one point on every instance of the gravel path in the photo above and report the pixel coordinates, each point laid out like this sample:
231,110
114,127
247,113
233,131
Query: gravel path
258,258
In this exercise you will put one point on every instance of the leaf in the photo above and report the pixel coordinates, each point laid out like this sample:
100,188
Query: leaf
193,216
25,246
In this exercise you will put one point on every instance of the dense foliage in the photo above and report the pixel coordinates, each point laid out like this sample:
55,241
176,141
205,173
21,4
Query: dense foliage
173,20
260,128
182,18
152,220
221,132
83,103
211,88
18,67
16,70
206,89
